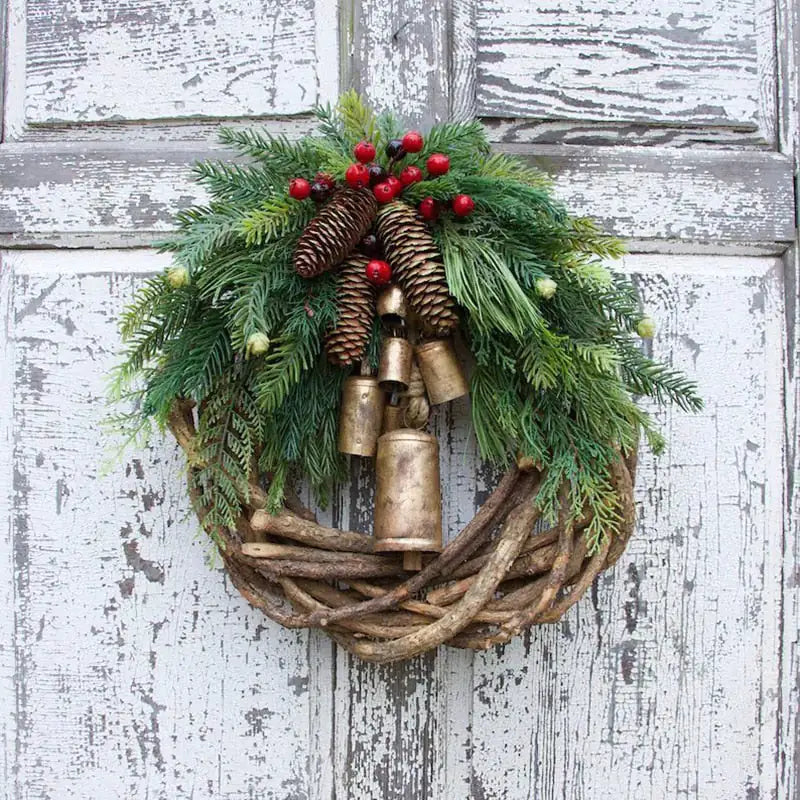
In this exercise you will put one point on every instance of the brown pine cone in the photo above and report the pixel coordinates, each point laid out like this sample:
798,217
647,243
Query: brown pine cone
338,227
417,266
355,299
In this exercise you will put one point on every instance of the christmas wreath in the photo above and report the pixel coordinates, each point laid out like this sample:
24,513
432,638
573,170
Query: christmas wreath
309,315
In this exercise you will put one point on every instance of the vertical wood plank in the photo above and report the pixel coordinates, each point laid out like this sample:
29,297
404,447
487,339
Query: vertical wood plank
154,664
463,60
451,700
405,732
400,56
3,42
788,733
7,617
13,86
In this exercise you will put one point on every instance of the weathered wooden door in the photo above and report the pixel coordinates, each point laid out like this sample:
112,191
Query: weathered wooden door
130,669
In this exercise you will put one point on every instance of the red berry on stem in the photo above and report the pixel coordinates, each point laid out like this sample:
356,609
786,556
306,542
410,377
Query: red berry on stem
463,205
357,176
438,164
428,208
383,192
378,273
364,152
410,175
299,188
396,184
412,142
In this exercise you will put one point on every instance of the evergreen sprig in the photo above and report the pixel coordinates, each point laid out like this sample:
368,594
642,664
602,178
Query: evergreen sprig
552,329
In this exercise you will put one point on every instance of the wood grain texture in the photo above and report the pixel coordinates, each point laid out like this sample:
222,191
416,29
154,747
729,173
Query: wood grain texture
621,60
175,58
665,683
7,620
646,194
138,671
788,755
399,56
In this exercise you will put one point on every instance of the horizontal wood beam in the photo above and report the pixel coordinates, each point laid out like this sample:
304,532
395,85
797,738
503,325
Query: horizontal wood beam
50,195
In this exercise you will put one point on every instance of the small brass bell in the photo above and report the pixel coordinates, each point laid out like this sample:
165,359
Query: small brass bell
394,369
391,306
408,500
441,371
361,416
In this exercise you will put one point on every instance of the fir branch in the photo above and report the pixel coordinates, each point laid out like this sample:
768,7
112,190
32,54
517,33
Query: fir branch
275,218
643,376
358,121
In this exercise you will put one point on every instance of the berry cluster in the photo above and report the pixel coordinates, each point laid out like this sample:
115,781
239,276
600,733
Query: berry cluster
319,190
385,184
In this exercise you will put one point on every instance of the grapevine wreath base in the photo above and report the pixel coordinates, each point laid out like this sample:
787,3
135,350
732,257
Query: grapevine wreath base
311,316
497,577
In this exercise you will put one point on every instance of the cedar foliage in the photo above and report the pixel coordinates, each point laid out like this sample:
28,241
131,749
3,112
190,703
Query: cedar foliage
554,379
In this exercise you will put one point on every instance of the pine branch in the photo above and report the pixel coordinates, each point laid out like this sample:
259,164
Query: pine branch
275,218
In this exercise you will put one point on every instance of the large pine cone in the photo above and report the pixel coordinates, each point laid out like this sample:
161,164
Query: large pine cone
417,267
355,299
338,227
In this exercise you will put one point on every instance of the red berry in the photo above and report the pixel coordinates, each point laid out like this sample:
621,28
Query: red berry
326,179
357,176
412,142
364,152
463,205
438,164
428,208
396,185
299,188
378,273
383,192
410,175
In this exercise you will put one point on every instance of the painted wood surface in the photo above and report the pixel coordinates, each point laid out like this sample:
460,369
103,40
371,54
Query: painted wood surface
646,194
135,670
694,63
131,651
788,755
177,58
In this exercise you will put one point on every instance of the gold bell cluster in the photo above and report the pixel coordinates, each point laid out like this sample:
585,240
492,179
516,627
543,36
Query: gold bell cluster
384,415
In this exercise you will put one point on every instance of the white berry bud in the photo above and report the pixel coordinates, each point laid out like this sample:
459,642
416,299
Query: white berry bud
257,344
646,328
546,287
178,277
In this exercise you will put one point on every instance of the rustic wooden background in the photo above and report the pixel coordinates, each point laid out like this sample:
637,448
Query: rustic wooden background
129,668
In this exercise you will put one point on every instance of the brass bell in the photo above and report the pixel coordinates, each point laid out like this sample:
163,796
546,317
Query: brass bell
361,416
441,371
408,500
394,370
391,306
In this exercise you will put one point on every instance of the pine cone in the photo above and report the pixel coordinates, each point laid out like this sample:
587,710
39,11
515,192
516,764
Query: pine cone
417,266
355,298
338,227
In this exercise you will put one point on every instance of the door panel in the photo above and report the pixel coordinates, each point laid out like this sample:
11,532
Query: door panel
690,64
136,670
100,61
